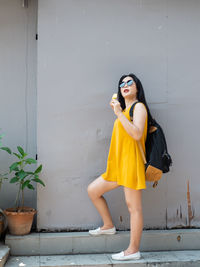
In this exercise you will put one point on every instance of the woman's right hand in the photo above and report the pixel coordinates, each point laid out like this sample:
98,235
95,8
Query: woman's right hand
114,97
116,106
111,103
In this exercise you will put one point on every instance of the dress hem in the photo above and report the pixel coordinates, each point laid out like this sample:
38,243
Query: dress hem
122,184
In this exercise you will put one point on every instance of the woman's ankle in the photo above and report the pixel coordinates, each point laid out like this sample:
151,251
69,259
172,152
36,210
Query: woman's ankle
130,250
107,226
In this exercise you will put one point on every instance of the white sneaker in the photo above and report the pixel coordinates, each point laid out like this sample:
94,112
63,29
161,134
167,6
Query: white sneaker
121,257
98,231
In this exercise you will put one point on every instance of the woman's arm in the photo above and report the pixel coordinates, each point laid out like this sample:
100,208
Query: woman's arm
135,129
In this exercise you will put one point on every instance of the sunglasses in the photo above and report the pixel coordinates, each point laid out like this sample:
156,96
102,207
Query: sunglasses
129,82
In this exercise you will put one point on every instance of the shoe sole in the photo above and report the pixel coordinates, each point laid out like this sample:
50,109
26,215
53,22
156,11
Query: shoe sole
127,259
102,234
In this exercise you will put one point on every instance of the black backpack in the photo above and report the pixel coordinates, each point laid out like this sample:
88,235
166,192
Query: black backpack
157,159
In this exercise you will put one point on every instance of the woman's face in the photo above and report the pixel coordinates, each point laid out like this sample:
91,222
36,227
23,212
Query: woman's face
128,90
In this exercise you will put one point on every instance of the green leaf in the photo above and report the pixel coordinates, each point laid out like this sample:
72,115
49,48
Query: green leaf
21,151
30,161
21,174
25,184
14,180
30,186
37,180
38,170
7,149
17,155
14,167
30,173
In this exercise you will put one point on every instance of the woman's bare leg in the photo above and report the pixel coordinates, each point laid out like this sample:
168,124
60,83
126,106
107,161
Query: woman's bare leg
134,202
95,191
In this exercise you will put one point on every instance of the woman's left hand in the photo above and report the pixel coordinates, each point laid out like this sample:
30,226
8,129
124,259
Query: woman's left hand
116,107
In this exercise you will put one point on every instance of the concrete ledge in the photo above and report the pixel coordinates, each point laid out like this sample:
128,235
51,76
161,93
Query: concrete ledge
150,259
83,243
4,253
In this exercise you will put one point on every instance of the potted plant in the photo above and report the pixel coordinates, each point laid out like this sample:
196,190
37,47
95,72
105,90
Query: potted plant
2,222
20,217
2,215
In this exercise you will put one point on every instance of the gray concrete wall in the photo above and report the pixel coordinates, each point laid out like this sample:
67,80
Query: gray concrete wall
18,27
83,49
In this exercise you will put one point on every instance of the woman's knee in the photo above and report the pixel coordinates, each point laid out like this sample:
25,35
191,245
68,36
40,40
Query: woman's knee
92,191
99,186
132,208
133,201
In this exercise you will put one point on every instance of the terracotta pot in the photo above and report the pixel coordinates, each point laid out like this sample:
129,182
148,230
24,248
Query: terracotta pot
19,223
1,226
2,222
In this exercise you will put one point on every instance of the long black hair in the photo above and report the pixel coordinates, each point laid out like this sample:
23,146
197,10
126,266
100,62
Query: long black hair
140,95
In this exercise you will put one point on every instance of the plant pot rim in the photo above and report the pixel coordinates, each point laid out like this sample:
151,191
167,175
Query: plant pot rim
12,211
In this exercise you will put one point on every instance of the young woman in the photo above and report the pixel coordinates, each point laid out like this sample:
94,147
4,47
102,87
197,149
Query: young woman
125,165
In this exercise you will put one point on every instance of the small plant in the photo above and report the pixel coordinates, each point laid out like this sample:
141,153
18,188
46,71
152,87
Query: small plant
2,176
1,135
22,177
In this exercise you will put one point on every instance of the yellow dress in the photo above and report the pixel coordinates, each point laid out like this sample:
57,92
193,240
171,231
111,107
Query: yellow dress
125,164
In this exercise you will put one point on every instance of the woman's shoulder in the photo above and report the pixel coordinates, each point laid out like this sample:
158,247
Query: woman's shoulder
140,107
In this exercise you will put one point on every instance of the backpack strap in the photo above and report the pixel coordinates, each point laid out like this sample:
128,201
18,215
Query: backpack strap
142,152
144,159
131,110
138,142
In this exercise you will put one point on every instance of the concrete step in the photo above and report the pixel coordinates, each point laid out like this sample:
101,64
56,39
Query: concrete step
82,243
4,253
150,259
